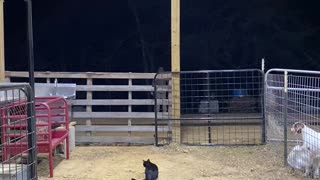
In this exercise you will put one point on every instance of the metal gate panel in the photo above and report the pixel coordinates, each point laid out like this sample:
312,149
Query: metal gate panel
218,107
17,126
291,96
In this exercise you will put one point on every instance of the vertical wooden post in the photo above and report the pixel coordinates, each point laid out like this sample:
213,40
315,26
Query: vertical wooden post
175,68
130,106
89,107
2,62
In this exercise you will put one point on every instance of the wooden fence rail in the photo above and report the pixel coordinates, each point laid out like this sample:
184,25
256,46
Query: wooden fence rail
106,125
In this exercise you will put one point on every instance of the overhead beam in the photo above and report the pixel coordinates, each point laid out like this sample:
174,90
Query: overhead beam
175,69
2,62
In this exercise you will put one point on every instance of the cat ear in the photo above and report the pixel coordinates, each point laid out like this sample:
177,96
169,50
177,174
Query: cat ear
148,160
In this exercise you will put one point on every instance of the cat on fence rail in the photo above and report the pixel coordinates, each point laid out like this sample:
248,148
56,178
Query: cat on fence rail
151,170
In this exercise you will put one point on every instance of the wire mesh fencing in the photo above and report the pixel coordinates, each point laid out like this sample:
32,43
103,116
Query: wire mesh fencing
221,107
18,137
292,115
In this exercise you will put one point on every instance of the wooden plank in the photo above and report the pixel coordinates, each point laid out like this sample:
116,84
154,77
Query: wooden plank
120,121
166,76
113,88
112,102
83,128
81,75
118,88
98,139
2,59
115,115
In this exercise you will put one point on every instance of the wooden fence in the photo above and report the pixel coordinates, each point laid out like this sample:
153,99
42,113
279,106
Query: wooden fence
109,107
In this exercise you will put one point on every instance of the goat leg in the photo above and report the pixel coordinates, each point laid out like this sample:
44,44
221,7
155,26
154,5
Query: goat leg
307,172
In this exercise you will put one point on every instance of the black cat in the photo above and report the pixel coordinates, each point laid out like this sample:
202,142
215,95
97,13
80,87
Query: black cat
151,170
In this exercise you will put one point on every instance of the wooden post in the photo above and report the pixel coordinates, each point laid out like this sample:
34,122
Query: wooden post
89,107
2,63
130,106
175,68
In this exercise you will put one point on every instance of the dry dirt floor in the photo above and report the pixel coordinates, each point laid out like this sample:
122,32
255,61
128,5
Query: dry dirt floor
175,162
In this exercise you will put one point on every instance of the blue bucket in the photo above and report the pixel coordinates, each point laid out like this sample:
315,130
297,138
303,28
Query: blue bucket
239,93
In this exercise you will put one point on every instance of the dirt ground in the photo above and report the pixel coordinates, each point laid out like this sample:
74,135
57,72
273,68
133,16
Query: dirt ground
175,162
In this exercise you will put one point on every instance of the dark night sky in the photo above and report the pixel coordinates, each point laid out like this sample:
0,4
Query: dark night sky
134,35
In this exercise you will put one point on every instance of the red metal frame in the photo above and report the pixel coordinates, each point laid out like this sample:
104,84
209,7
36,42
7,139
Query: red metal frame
51,111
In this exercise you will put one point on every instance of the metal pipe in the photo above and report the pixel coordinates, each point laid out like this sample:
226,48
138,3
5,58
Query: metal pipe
292,71
208,107
31,128
294,89
31,122
220,71
285,114
30,44
263,108
2,58
282,140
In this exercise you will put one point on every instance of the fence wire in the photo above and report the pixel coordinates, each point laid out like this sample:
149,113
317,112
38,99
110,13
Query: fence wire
18,147
223,107
292,113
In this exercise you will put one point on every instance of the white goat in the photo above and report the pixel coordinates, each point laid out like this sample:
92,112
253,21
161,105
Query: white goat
301,158
310,138
310,146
